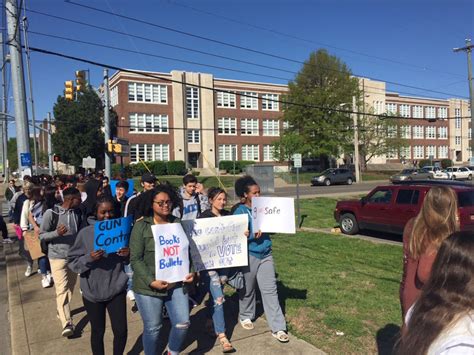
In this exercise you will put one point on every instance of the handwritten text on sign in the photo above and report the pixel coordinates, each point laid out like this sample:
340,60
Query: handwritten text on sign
273,214
171,252
218,242
112,234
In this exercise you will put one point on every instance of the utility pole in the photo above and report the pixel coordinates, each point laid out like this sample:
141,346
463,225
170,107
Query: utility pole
468,49
4,111
356,139
108,169
50,146
18,83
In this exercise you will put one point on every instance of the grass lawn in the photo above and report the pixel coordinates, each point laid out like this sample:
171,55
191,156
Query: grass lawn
208,181
331,283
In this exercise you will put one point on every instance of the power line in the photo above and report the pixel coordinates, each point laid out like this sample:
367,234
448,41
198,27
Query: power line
239,47
241,94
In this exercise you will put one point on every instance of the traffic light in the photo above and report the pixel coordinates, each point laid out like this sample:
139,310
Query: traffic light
69,90
80,80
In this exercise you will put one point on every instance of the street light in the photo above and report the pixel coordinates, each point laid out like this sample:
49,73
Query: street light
356,138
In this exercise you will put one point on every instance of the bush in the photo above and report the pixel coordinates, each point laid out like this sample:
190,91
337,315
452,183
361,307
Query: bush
176,167
138,169
424,162
244,163
445,163
228,165
158,167
117,171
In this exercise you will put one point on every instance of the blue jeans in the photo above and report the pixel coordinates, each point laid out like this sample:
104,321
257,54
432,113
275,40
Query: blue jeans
129,272
43,264
213,284
176,303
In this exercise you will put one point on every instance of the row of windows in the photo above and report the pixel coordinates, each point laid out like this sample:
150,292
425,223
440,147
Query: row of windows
428,132
420,152
248,100
152,93
248,127
247,152
416,111
149,152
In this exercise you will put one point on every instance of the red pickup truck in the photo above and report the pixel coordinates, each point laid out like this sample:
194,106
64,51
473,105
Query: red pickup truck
388,208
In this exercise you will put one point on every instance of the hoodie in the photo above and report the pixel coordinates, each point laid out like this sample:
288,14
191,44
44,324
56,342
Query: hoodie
91,187
191,208
58,246
100,280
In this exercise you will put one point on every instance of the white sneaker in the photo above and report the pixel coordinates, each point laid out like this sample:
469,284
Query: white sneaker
131,295
45,282
28,271
7,241
50,278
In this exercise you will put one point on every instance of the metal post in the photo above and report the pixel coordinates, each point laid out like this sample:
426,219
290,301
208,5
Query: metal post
50,146
356,139
18,82
298,196
4,111
106,121
30,87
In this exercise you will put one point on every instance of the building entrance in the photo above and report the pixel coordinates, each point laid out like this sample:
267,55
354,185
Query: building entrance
193,159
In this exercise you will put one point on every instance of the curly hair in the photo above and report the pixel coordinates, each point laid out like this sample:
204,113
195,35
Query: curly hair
146,206
242,185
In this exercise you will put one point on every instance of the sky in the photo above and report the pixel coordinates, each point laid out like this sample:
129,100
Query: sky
408,42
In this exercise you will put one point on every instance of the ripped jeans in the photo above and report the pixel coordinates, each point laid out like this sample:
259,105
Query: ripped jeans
213,283
176,303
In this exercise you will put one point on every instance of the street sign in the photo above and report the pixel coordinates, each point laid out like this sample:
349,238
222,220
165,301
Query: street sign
25,159
297,160
88,163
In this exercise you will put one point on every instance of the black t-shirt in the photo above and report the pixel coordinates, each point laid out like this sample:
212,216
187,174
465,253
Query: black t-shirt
208,213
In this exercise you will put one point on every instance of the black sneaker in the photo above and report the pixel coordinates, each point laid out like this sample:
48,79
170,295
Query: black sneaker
134,307
68,331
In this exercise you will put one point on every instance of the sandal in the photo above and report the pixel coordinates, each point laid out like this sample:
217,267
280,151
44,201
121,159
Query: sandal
246,324
282,336
225,344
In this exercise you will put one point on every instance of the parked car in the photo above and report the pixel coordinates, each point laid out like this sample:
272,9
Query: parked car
462,173
388,208
441,174
333,176
411,174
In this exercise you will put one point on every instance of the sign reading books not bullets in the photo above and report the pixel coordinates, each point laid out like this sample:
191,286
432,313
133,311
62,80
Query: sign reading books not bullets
273,214
217,242
171,252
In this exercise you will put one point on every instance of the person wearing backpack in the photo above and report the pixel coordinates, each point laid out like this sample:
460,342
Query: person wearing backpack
192,204
59,229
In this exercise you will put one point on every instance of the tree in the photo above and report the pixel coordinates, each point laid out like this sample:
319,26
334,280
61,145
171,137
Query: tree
78,128
315,121
12,153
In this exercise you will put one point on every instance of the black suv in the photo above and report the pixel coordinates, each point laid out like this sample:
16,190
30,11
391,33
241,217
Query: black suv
333,176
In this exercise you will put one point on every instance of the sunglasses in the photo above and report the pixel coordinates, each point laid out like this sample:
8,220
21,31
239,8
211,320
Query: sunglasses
162,203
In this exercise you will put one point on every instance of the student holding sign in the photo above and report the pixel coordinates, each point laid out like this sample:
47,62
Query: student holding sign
152,294
261,269
103,280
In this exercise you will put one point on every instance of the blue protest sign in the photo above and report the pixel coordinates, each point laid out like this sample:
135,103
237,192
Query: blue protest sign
113,184
112,234
25,159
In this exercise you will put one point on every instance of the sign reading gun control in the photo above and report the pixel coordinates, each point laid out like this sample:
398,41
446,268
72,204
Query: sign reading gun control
111,235
171,252
273,214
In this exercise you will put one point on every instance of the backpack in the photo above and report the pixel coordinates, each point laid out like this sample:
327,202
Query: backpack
54,223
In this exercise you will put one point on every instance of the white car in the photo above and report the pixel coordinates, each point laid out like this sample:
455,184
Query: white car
462,173
441,174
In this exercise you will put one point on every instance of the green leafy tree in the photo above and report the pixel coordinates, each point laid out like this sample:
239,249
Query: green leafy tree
12,153
316,125
289,144
78,128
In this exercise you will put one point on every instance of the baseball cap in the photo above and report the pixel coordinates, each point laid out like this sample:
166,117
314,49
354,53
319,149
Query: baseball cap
148,177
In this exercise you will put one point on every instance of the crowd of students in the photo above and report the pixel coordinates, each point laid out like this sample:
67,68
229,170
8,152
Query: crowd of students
62,212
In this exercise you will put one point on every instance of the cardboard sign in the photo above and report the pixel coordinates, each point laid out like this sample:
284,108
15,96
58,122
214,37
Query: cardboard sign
171,252
218,242
32,243
111,235
273,214
113,184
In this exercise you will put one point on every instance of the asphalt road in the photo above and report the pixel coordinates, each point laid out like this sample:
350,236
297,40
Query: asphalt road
308,191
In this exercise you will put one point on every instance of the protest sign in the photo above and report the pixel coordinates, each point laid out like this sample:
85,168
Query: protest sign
218,242
32,244
171,252
111,235
273,214
113,184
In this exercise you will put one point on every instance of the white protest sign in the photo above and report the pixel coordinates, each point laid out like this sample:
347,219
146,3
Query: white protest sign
217,242
171,252
273,214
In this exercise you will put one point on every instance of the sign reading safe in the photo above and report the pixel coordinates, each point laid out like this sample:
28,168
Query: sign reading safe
273,214
112,234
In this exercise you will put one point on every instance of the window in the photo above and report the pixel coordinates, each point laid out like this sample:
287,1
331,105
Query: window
430,132
194,136
431,151
392,154
271,128
286,125
392,131
405,153
405,132
457,122
417,111
225,99
270,105
408,197
227,152
469,133
227,126
443,112
268,153
391,108
405,110
418,152
148,123
457,112
380,196
192,102
149,152
443,132
457,140
250,152
378,107
249,127
443,151
140,92
430,112
114,96
249,101
418,132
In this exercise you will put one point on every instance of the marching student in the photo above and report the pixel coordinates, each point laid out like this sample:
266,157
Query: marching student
103,281
260,271
151,294
120,199
192,202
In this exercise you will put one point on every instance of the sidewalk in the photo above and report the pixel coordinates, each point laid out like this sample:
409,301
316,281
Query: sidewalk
35,329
